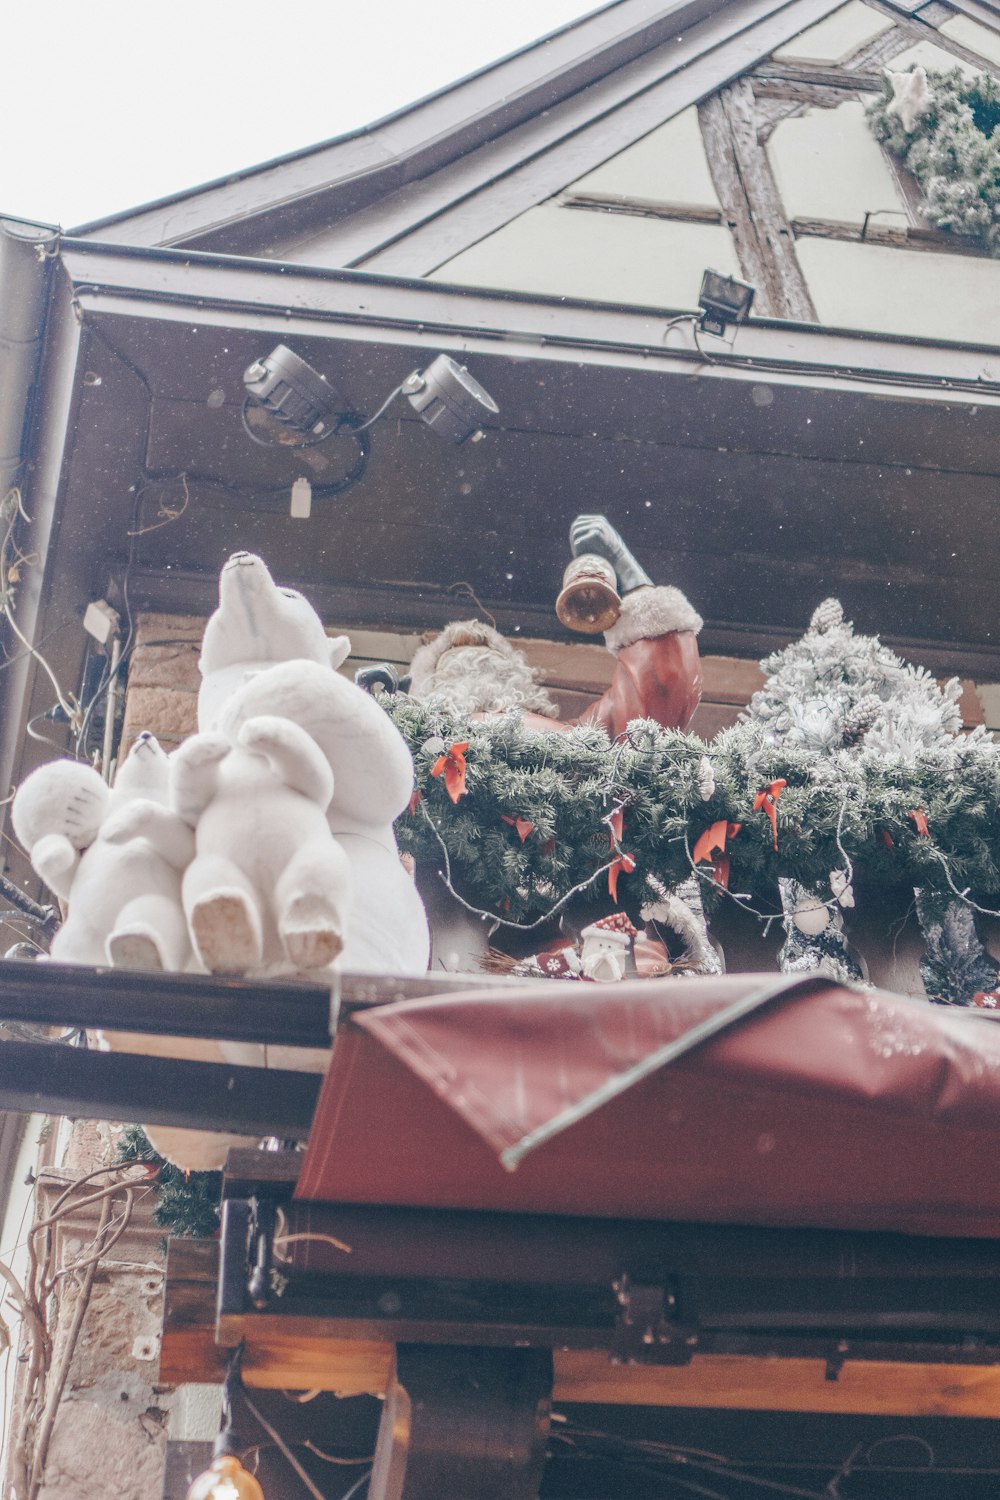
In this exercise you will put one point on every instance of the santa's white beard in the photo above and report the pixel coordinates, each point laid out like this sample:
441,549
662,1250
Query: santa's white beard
478,679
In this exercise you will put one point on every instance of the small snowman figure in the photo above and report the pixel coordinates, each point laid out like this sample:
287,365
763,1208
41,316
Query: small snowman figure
606,947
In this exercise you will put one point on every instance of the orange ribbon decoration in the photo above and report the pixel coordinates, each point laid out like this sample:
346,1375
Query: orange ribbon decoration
768,800
713,841
523,826
415,800
920,819
451,765
623,863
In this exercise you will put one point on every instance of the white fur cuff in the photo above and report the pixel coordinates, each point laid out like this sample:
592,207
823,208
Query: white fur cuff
649,612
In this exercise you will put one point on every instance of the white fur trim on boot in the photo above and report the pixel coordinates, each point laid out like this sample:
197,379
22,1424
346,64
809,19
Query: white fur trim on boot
648,613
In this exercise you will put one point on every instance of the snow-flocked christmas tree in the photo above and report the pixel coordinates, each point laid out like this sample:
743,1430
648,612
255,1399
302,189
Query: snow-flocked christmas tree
851,702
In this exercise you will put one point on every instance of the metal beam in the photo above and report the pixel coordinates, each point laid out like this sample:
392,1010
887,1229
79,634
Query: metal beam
63,1080
291,1015
233,1010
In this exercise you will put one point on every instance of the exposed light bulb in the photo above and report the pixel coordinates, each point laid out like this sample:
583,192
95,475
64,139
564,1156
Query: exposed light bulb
225,1479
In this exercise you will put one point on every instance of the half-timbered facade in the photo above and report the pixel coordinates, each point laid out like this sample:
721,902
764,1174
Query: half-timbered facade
547,223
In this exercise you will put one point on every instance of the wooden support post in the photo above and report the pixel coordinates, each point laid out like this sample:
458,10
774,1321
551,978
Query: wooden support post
463,1421
746,187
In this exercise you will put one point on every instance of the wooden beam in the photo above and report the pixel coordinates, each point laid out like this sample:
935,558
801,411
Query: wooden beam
919,30
715,131
751,1384
302,1357
643,208
820,88
295,1360
746,187
774,77
883,232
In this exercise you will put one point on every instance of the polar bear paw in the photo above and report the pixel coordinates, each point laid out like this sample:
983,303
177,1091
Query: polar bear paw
311,931
226,932
135,949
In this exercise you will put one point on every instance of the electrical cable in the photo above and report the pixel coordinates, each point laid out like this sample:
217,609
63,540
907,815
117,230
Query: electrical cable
348,425
262,442
348,421
285,1450
646,1454
349,1494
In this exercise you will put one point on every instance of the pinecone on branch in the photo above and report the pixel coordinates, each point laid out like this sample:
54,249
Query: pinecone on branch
826,616
860,719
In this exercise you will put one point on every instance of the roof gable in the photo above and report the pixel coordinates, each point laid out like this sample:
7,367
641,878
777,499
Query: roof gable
776,177
723,133
245,212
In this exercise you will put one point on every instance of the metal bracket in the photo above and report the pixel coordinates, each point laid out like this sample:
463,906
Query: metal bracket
262,1226
647,1330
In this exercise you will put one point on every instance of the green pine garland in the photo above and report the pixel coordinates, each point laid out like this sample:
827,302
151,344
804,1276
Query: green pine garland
566,786
953,151
187,1202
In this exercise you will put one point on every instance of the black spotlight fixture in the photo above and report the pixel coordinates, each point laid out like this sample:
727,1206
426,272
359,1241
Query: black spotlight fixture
292,392
449,400
444,395
724,302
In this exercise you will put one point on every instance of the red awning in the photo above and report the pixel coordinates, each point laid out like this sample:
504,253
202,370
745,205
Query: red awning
745,1099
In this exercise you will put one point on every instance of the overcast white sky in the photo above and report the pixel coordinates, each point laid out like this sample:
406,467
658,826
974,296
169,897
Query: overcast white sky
116,103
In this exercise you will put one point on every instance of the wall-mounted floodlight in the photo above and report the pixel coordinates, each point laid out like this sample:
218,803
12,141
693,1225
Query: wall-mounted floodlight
444,395
292,392
723,301
449,400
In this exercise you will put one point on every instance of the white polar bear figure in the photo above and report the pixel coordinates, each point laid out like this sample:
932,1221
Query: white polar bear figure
114,857
266,655
269,886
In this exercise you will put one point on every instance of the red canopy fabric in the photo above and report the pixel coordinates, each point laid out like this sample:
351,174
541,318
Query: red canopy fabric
743,1099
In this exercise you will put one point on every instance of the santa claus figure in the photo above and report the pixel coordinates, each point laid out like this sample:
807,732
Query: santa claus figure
606,947
468,668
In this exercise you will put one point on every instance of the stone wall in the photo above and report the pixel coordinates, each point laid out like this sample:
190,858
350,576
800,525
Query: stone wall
110,1429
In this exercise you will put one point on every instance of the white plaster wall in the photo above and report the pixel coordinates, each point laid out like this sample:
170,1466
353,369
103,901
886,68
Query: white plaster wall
926,55
902,291
668,166
979,39
836,38
603,256
828,165
989,697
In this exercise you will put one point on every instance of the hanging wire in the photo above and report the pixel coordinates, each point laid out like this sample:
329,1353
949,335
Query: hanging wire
655,1457
11,508
288,1455
490,916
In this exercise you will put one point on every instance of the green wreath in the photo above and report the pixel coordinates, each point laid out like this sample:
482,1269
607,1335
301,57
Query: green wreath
953,151
542,815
